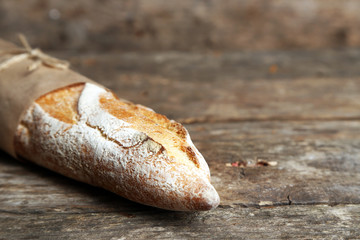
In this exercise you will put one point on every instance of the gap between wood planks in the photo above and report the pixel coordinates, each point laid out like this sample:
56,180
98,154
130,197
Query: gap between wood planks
263,119
266,204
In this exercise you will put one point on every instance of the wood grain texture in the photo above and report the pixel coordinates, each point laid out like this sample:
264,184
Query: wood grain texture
318,162
290,222
241,111
312,85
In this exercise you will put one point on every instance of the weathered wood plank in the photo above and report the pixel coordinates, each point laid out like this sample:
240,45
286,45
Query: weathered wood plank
318,162
236,86
288,222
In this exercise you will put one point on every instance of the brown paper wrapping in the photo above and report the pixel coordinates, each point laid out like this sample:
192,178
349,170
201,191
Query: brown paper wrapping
19,88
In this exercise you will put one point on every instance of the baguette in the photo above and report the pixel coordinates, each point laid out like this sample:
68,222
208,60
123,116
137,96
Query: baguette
85,132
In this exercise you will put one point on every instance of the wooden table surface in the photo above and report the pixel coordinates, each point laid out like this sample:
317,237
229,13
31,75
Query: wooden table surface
299,109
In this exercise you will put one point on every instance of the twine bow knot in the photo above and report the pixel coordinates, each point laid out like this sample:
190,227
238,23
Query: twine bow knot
36,54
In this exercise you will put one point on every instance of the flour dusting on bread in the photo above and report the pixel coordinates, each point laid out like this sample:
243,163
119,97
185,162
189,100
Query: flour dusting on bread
92,136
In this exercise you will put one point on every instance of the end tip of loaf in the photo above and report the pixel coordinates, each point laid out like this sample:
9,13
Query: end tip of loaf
209,199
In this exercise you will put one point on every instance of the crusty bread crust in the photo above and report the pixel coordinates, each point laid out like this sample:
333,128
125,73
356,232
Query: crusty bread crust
62,103
85,132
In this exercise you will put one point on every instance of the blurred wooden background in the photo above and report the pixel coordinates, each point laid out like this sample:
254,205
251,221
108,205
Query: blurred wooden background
252,80
188,25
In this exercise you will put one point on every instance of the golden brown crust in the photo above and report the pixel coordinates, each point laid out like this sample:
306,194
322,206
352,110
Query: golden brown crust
62,103
170,134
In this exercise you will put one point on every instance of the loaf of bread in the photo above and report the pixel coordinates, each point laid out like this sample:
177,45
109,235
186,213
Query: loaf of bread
85,132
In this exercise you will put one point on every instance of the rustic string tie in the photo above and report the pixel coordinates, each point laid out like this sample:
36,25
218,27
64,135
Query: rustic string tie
36,54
